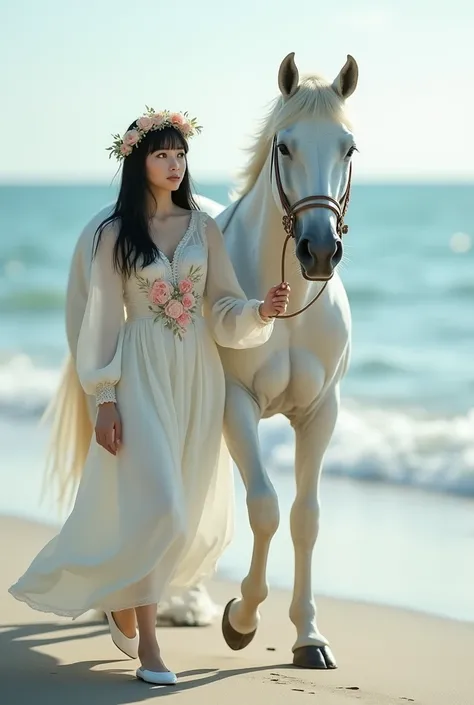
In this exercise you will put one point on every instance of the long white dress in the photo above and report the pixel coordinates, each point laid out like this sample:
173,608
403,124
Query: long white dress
160,512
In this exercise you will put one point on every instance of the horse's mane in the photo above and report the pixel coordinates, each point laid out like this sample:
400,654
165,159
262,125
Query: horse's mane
315,98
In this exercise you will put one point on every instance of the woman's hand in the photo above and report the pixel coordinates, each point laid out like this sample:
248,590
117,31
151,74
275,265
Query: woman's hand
276,301
108,427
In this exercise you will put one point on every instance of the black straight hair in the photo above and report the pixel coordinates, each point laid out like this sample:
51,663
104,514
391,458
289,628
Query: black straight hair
134,244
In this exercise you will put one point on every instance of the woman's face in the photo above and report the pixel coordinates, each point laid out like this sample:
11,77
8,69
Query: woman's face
166,168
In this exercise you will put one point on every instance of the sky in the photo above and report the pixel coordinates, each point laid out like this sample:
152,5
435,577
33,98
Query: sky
75,73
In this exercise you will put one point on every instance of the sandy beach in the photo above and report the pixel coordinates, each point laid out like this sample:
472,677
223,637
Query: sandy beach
385,656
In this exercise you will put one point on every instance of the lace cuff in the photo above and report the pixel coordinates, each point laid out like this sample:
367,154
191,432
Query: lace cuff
258,315
105,392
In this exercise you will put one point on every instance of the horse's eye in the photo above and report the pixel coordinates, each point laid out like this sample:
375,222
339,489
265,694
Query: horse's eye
283,149
351,151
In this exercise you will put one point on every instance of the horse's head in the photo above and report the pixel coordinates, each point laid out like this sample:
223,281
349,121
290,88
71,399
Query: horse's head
311,159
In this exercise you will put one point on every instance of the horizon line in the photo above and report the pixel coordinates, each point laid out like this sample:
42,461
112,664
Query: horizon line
222,180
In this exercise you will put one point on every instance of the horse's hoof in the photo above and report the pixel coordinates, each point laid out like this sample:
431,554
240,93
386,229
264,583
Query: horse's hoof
314,657
233,639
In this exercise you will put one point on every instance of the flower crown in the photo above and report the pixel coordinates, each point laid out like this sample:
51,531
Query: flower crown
150,121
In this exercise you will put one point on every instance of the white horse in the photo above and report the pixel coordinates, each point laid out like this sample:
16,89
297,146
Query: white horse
297,183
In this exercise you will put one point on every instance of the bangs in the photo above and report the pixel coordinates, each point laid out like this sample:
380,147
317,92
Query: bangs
167,138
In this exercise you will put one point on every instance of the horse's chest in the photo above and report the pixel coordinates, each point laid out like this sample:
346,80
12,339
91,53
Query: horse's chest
297,374
290,380
308,378
293,369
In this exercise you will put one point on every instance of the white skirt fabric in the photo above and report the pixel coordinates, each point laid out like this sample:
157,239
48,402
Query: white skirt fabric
160,512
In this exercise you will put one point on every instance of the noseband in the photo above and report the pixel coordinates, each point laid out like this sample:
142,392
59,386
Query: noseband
339,208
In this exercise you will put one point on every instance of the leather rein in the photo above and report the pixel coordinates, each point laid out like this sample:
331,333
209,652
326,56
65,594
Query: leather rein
339,208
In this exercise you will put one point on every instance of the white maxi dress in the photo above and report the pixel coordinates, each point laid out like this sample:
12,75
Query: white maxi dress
160,512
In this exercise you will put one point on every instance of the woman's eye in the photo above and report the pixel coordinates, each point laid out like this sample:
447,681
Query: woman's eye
283,149
181,155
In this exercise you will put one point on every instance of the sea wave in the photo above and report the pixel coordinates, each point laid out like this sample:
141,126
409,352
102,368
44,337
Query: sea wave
32,301
392,446
395,446
25,388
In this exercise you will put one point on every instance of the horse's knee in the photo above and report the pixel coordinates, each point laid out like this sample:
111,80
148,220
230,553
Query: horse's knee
304,521
263,511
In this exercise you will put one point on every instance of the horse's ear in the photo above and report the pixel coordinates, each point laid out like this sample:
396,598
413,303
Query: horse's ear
288,76
346,82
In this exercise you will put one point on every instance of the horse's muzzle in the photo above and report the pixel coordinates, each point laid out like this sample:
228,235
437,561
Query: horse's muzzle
319,260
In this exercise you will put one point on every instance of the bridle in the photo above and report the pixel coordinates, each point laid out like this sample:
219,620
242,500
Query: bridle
339,208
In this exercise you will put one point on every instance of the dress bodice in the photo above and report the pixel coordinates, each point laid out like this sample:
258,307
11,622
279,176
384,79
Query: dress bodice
172,290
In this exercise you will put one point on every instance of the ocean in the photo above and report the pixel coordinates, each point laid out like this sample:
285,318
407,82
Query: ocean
403,449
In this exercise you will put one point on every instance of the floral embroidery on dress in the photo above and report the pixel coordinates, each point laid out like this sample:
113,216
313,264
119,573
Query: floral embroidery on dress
174,304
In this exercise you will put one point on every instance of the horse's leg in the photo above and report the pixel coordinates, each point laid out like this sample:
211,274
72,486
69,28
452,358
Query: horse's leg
241,617
313,433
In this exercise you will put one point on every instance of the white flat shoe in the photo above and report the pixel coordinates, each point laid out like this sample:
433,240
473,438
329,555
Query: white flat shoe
157,677
127,645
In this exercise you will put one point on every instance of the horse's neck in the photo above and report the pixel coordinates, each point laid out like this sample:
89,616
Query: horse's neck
259,226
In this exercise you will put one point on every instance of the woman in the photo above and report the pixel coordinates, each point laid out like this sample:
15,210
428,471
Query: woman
154,506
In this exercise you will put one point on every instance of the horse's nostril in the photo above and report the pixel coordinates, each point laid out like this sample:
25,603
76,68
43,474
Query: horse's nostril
337,256
304,248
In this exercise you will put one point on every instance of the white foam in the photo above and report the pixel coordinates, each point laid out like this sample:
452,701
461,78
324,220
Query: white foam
392,446
24,387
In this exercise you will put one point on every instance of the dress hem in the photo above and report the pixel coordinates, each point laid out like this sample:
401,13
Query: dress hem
74,614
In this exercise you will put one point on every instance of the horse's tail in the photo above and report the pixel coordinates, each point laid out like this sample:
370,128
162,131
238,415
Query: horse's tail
70,435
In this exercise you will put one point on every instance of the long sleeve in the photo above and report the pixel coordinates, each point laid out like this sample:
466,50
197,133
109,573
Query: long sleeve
99,349
79,279
234,320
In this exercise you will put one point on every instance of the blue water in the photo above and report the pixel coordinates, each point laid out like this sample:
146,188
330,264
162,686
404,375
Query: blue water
407,417
407,413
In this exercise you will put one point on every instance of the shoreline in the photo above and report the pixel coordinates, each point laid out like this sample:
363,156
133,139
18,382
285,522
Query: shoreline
373,533
385,655
222,580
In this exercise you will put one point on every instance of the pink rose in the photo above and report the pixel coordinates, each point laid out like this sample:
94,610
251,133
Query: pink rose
125,150
177,119
184,320
185,286
158,119
174,309
131,137
188,301
160,292
185,128
144,123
